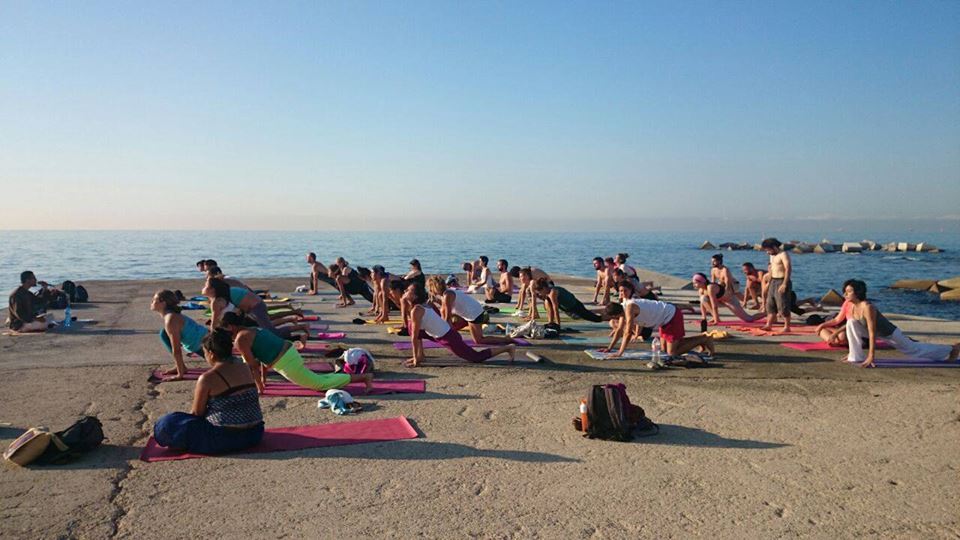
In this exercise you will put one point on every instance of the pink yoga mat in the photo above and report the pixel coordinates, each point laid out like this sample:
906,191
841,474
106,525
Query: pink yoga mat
824,346
310,318
288,389
427,344
327,335
194,373
302,437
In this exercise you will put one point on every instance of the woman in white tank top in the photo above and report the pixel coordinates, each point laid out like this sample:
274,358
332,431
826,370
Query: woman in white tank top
460,309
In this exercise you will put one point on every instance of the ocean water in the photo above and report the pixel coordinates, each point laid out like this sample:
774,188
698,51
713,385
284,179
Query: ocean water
84,255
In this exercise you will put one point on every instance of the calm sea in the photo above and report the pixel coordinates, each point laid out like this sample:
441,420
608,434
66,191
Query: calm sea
83,255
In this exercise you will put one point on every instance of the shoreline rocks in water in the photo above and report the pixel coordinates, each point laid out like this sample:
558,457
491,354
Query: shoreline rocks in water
826,246
948,289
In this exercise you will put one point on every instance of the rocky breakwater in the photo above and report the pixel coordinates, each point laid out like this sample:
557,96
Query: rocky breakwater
826,246
947,289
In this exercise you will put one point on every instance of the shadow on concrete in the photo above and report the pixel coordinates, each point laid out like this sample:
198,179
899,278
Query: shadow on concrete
674,435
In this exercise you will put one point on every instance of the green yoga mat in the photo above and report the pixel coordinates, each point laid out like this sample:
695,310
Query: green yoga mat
587,340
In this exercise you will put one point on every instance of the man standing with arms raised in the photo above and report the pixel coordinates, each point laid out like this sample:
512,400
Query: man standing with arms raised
778,293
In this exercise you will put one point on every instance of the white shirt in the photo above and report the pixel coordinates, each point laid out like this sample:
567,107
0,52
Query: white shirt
651,313
465,306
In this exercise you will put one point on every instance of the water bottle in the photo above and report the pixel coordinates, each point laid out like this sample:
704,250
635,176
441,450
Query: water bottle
655,349
67,316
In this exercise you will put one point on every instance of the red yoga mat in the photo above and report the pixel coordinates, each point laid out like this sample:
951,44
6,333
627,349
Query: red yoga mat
310,318
157,376
427,344
302,437
289,389
824,346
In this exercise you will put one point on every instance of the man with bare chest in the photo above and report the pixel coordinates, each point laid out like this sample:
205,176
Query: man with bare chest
778,292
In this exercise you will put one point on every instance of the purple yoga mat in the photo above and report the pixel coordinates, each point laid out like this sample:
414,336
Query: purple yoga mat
427,344
302,437
406,386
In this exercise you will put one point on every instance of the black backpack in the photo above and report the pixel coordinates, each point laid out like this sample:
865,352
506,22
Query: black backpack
70,288
82,295
612,417
83,436
54,299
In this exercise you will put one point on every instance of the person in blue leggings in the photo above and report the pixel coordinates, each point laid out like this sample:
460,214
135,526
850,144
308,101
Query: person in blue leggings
226,415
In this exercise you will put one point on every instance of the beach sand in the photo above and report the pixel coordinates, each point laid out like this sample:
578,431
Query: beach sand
774,443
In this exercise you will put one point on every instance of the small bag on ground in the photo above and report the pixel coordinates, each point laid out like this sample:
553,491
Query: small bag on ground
611,416
40,447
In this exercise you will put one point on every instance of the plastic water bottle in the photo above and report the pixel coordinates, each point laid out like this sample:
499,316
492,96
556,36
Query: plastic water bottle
655,349
67,316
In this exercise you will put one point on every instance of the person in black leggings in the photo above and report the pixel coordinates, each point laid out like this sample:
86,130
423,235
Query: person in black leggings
558,299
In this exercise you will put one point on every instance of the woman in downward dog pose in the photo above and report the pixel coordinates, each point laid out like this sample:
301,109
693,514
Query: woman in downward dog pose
865,321
178,333
263,350
460,310
426,323
226,414
224,298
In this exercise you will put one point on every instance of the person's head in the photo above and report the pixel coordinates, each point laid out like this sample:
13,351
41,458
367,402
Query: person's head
27,279
334,269
396,287
436,285
341,262
619,275
216,288
700,281
749,269
209,263
214,272
379,272
217,346
771,245
613,311
626,288
416,293
232,321
364,273
542,287
854,290
165,301
201,265
514,272
610,262
415,265
502,265
311,257
621,258
451,281
598,263
484,260
716,261
467,267
526,274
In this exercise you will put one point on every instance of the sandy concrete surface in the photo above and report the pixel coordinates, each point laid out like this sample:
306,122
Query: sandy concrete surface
770,443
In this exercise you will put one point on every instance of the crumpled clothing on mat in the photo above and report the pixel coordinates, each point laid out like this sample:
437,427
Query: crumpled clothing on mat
717,334
338,401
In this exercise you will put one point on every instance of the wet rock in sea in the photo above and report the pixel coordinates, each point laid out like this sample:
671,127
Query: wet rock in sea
852,247
906,246
927,247
953,294
952,283
832,298
914,284
938,289
869,245
823,247
890,246
804,248
707,245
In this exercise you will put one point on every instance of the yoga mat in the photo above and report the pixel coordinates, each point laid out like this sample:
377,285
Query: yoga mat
157,376
406,386
328,335
588,340
314,349
628,355
427,344
302,437
310,318
824,346
319,327
910,363
388,323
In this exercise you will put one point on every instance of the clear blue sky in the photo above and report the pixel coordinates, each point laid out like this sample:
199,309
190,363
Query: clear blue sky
483,115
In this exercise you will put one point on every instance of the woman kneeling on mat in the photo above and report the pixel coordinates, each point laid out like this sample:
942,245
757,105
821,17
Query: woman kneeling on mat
864,320
426,323
460,310
179,332
652,313
226,415
556,298
263,350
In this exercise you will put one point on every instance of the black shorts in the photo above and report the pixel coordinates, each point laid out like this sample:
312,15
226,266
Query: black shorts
484,318
501,297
